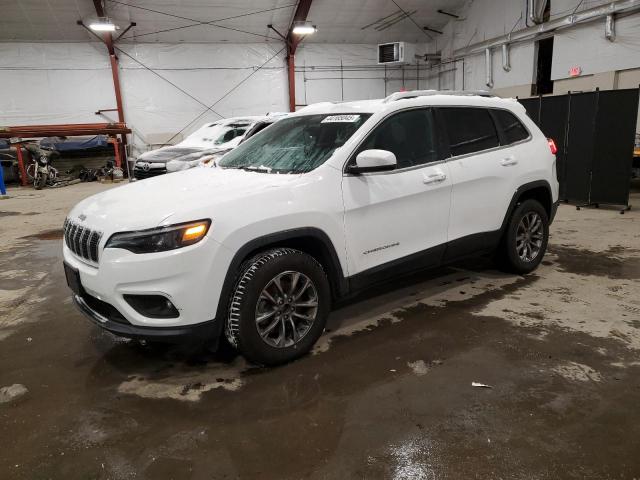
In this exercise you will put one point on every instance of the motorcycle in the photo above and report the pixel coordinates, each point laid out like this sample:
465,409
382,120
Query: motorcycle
41,170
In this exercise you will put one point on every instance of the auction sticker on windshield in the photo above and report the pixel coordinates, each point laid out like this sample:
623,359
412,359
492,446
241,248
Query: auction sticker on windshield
341,119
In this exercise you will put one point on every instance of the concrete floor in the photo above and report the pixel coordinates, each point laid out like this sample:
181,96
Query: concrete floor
387,392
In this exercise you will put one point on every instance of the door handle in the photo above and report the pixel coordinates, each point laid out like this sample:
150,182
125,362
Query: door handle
434,178
509,161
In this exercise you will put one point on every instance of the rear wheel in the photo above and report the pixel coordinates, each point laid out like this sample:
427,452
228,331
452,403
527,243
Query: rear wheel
279,307
525,240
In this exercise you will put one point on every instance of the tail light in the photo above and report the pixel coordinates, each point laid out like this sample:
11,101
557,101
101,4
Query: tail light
552,145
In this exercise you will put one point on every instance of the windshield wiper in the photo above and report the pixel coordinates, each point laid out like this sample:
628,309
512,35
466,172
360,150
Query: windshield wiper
261,169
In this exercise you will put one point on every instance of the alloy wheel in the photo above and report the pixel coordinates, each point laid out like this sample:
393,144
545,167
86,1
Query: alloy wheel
286,309
529,236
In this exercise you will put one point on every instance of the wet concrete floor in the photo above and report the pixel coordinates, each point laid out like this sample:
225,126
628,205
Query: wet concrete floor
387,393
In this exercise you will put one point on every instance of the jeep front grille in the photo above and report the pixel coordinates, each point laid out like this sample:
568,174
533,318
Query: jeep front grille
81,240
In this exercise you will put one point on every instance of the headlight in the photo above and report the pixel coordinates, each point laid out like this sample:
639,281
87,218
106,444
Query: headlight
209,161
160,239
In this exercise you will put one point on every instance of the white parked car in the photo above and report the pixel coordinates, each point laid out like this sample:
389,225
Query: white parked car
205,145
326,202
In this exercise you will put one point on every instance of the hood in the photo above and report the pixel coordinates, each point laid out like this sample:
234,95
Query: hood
166,154
179,197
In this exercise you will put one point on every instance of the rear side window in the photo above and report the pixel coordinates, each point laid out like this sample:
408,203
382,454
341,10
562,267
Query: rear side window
512,128
470,130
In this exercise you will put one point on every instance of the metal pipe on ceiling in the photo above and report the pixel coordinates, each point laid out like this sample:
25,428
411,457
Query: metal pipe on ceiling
561,23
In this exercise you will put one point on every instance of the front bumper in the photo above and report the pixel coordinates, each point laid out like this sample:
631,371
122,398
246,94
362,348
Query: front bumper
191,278
201,331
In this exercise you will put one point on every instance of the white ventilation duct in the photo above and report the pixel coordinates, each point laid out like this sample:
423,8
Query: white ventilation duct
488,63
506,59
535,10
610,28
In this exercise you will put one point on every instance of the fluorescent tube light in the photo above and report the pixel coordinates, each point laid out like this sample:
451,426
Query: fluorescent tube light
304,28
102,25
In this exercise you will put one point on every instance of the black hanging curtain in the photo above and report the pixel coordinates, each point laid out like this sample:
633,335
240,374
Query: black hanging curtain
595,134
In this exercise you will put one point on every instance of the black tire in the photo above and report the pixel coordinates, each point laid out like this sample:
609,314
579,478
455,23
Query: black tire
268,272
510,257
40,181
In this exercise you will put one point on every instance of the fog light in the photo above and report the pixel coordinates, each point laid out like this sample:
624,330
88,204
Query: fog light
152,306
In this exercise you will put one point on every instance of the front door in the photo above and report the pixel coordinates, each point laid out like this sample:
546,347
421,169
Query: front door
398,219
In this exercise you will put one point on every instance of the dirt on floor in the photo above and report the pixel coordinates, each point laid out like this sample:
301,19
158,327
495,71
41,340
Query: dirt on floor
388,391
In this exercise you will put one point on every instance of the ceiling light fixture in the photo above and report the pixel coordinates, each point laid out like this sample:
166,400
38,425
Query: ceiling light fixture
103,25
304,28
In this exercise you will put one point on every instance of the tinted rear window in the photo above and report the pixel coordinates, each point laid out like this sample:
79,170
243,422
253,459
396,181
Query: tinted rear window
512,128
470,130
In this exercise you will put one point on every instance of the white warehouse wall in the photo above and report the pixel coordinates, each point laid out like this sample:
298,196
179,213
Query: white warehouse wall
68,82
601,60
46,83
482,20
336,72
585,46
53,83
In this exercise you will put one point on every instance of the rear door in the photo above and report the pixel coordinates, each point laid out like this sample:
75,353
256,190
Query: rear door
483,174
399,218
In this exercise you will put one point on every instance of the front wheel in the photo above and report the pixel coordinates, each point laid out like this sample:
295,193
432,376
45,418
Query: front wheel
31,171
525,240
40,181
279,306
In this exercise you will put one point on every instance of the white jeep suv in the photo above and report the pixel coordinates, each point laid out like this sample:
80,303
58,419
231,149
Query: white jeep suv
322,204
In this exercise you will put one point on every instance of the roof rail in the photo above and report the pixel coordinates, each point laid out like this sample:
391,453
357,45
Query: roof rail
426,93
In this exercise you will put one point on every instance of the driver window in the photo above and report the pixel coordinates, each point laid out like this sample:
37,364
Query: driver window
409,135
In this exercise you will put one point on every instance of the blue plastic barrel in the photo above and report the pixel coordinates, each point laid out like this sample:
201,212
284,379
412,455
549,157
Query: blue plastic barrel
3,190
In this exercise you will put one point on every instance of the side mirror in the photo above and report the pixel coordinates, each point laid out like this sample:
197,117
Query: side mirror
369,161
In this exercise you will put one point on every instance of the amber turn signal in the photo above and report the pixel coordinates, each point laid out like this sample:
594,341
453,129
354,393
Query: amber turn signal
194,232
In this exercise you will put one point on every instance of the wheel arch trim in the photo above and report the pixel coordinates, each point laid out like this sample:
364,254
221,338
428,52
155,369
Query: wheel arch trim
517,195
331,262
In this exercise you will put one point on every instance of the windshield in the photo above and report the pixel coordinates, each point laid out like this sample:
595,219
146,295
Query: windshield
216,134
296,144
231,131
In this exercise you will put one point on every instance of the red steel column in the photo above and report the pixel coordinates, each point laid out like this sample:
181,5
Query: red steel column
116,87
291,73
23,171
108,40
292,41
